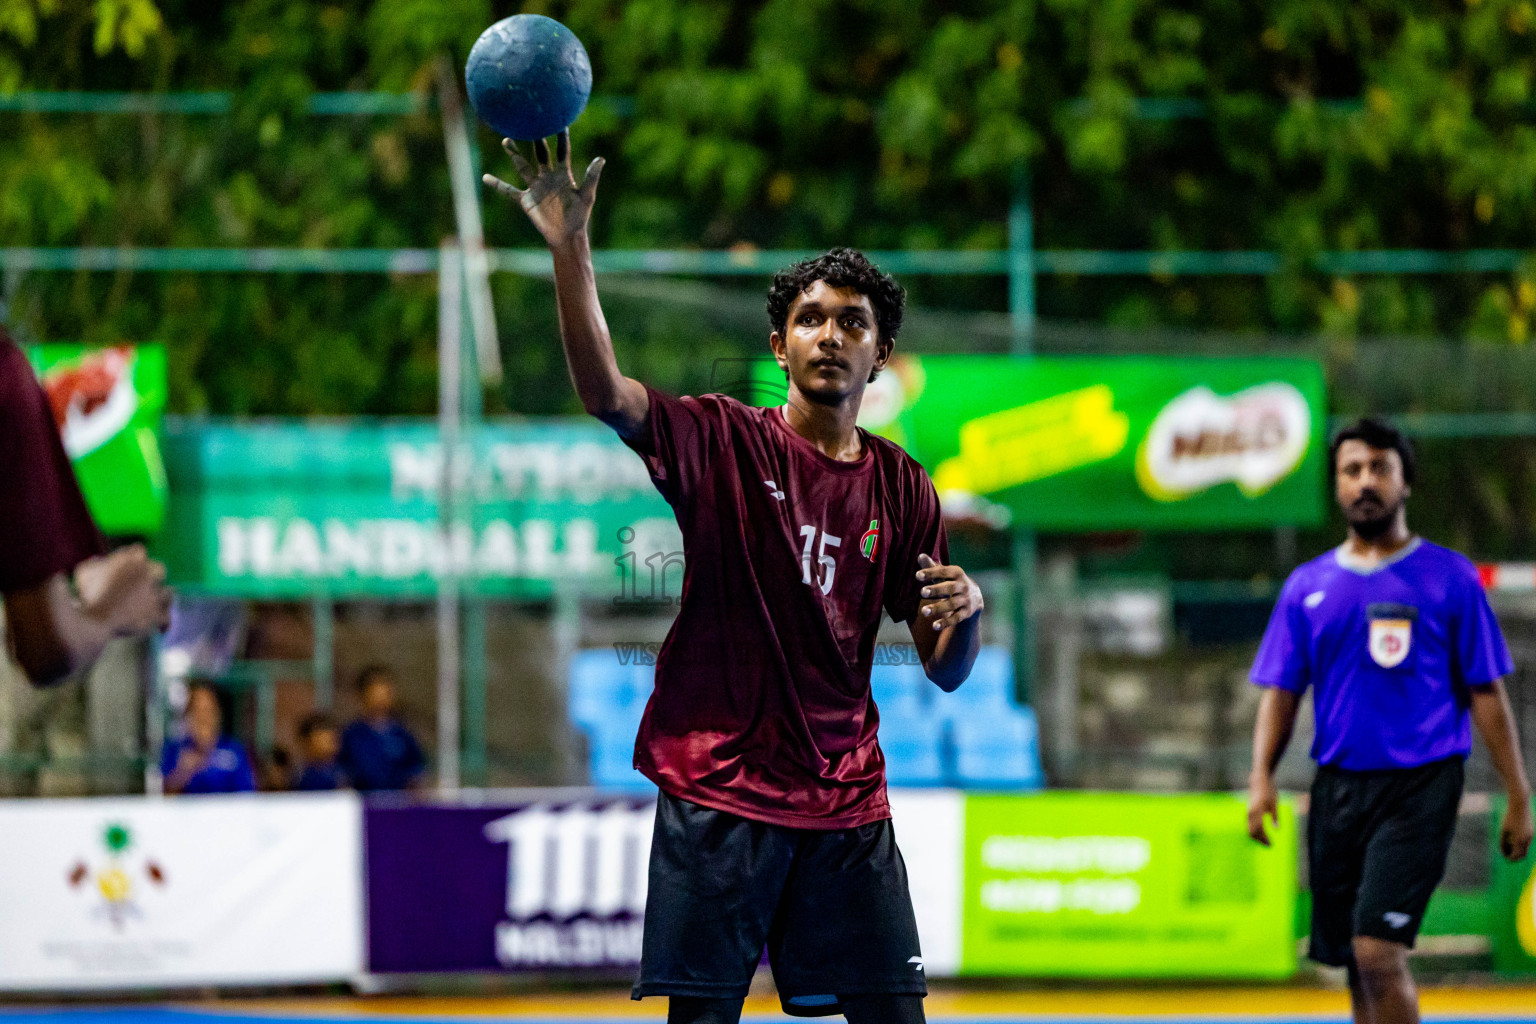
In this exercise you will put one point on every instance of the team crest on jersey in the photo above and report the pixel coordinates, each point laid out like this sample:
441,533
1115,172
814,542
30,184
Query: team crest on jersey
1390,641
869,543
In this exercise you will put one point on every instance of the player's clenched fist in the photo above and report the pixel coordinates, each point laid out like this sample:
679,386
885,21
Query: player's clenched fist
949,596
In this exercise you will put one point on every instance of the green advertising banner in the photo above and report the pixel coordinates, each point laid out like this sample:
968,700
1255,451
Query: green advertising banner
1074,884
1107,443
1513,902
107,403
291,508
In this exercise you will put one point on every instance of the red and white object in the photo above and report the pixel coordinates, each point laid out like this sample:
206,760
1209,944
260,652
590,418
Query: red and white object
1508,576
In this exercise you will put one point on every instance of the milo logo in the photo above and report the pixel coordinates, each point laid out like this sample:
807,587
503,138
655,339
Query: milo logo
1255,439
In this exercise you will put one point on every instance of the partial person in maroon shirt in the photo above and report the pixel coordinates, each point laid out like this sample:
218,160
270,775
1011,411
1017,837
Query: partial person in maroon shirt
65,598
799,530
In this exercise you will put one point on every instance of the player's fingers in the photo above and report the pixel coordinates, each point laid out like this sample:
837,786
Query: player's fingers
501,186
1256,827
589,180
563,148
946,588
524,168
1514,844
940,607
924,560
541,153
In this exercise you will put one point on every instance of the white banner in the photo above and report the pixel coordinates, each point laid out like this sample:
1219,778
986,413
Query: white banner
930,832
206,890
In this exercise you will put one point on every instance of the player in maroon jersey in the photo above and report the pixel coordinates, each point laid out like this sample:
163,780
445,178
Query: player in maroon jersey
799,528
64,597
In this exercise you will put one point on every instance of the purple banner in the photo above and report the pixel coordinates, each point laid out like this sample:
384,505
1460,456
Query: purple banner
529,885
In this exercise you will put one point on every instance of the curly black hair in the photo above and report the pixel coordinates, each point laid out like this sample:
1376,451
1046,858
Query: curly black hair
840,268
1380,435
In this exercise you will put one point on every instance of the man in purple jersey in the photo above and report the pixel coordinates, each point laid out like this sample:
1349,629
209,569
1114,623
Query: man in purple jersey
64,598
1403,654
772,825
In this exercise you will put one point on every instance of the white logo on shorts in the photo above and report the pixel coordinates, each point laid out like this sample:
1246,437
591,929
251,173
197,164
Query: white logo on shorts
1396,918
917,962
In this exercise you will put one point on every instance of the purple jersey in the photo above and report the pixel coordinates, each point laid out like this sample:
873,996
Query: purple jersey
1389,651
762,704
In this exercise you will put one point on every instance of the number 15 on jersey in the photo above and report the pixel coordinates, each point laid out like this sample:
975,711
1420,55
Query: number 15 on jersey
823,559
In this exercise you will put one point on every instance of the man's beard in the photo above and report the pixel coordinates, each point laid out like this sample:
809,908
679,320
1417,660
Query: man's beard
1369,526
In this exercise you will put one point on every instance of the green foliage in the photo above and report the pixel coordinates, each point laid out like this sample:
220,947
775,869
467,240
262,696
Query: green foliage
771,123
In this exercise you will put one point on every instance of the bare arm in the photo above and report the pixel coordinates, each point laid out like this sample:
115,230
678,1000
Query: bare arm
54,633
188,763
1271,734
560,210
947,629
1496,724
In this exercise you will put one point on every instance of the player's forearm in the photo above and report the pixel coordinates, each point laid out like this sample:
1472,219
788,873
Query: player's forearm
954,654
584,332
1273,728
51,635
1496,724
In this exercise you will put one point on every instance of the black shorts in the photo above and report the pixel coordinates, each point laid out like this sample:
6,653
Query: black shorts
1377,844
832,908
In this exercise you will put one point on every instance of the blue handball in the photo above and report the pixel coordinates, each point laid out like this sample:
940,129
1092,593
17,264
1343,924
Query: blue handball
528,76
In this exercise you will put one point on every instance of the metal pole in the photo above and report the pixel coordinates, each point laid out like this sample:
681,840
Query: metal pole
1021,309
449,388
465,185
324,671
154,717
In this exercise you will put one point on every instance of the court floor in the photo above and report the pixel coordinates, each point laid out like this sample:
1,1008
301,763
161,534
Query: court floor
1160,1005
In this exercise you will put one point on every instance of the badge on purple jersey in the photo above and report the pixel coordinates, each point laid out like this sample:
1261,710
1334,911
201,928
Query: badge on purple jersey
1391,635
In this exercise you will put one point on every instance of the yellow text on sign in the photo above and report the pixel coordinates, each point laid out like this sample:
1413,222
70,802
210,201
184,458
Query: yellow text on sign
1034,441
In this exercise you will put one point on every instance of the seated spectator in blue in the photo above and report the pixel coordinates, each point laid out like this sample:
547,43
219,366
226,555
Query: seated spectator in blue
377,751
321,743
204,759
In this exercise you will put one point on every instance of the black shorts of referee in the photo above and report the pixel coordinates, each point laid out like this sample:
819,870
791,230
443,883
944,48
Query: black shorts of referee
831,907
1377,843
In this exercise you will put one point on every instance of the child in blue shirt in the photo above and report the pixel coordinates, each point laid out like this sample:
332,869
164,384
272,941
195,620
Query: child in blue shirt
204,759
377,751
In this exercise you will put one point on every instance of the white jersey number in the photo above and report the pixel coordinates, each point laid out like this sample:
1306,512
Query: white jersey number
826,561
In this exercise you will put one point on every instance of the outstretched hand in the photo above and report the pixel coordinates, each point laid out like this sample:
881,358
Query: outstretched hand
949,596
557,205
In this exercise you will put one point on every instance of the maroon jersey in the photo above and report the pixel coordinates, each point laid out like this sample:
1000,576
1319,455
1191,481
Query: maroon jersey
762,705
44,526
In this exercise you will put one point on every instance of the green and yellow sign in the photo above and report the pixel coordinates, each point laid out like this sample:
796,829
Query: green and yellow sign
1107,443
107,403
1095,885
1513,903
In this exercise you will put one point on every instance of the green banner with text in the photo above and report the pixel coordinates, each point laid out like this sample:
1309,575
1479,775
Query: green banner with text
1106,443
1077,884
351,508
